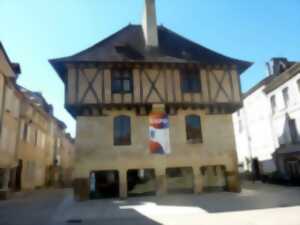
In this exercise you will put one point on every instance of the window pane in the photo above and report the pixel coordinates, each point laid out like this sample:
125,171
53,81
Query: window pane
122,130
273,103
185,85
116,86
122,81
195,84
286,97
126,86
190,82
193,128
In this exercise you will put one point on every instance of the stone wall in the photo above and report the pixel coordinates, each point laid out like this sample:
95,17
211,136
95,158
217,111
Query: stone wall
95,150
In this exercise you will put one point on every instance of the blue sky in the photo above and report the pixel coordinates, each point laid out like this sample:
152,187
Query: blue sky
34,31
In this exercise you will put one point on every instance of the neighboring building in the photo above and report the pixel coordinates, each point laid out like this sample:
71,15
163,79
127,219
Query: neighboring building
67,157
284,95
269,122
9,122
34,129
28,136
149,81
40,143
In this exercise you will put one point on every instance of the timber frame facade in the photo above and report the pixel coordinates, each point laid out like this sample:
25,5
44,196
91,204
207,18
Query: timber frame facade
196,88
88,89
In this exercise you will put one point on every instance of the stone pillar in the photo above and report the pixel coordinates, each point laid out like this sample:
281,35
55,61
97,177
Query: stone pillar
81,189
123,184
233,182
161,182
4,190
198,181
6,180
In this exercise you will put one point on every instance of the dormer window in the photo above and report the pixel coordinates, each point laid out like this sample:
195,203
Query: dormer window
121,81
190,81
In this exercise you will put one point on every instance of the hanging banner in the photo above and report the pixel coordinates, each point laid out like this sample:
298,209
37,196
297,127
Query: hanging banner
159,133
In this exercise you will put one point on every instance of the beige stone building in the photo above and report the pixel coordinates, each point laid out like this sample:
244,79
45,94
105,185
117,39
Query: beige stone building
40,146
153,112
31,138
9,121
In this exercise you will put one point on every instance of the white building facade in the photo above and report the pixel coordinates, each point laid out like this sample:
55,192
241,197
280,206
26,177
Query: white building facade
267,126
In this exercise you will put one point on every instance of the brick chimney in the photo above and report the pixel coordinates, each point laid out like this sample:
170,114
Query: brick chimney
150,25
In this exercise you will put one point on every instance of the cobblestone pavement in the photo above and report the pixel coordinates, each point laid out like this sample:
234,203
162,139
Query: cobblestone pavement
256,204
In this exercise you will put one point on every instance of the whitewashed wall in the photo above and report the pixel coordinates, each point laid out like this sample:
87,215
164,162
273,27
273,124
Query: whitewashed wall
256,138
293,109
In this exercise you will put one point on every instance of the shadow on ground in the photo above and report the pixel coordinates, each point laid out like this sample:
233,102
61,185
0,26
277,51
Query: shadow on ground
254,196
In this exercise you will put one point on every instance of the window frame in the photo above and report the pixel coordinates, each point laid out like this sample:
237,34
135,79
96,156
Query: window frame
187,79
118,124
121,75
298,84
273,103
286,97
191,138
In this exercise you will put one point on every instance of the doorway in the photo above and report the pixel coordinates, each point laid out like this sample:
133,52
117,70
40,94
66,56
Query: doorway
104,184
19,175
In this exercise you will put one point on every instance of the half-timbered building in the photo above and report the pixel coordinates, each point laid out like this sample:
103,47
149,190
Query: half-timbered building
146,74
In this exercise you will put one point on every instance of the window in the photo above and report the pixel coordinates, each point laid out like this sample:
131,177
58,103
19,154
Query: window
25,131
190,81
122,130
122,81
240,126
293,131
273,103
286,97
193,128
36,136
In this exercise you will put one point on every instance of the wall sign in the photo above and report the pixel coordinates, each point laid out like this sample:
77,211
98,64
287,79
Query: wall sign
159,133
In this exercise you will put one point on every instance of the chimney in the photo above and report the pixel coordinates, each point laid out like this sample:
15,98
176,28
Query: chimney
150,25
276,66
